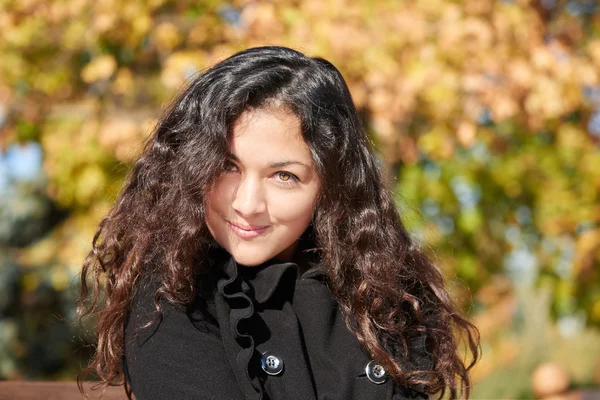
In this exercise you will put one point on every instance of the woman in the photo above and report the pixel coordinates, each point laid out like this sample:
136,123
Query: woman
255,254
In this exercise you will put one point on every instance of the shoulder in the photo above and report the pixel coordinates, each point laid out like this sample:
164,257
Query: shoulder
174,353
150,312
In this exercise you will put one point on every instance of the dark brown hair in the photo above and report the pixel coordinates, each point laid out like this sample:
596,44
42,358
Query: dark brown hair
389,291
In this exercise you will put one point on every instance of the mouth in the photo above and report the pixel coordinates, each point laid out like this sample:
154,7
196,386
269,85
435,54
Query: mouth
247,232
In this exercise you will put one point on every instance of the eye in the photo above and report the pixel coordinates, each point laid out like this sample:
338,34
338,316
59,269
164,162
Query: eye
286,177
230,166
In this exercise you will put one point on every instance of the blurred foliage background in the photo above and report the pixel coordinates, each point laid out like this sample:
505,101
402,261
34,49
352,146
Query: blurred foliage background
486,115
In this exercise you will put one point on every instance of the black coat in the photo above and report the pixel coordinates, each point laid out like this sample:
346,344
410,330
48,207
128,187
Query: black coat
253,333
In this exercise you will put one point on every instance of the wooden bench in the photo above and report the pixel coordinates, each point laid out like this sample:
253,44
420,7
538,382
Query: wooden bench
28,390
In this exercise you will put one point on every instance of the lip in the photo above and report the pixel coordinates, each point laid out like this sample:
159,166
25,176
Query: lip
247,233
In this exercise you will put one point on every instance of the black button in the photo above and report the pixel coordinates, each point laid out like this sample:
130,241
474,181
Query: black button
271,364
375,372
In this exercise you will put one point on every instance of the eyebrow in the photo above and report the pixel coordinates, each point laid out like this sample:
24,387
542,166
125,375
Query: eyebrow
279,164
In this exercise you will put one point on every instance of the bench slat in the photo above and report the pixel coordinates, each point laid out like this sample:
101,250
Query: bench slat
22,390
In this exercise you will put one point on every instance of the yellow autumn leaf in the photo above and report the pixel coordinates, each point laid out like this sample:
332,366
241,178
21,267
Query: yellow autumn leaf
466,133
180,66
587,243
166,37
90,184
101,67
59,278
593,49
123,82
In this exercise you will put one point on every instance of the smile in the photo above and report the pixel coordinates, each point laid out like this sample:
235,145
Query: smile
249,232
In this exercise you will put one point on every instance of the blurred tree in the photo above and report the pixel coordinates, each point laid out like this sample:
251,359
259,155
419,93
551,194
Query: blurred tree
486,114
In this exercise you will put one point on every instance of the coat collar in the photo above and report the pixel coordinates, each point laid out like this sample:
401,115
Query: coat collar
262,281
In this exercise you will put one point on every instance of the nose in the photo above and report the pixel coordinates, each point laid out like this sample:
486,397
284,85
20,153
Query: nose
249,197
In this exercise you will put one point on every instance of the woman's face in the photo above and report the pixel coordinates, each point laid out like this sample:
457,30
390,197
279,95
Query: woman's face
266,199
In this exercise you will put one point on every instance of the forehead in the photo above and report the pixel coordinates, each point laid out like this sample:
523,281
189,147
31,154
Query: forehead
271,134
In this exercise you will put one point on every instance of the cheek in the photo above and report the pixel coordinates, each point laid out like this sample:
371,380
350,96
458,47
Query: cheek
292,209
220,196
216,208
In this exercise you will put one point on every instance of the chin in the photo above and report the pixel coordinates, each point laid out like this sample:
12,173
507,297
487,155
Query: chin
249,260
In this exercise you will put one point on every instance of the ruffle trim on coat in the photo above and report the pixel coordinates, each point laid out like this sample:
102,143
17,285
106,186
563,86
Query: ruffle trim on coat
243,288
242,309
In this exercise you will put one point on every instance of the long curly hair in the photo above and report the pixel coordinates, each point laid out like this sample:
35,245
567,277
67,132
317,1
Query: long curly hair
389,291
